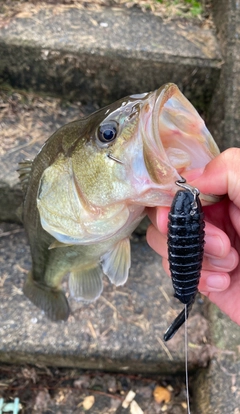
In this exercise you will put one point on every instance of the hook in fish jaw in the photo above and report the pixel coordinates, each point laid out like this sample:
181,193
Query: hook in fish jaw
114,159
195,191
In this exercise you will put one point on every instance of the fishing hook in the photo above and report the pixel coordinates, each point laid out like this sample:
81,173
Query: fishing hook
115,159
195,191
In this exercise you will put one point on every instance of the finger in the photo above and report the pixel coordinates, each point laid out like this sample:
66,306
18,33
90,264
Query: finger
217,243
209,281
221,289
228,300
159,218
234,214
214,277
157,241
221,176
226,264
213,281
165,265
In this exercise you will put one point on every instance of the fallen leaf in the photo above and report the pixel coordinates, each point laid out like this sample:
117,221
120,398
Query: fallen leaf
130,396
30,373
184,405
161,394
88,402
60,397
42,400
135,409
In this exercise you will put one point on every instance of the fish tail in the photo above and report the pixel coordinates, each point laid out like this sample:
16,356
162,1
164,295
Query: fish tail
177,323
51,300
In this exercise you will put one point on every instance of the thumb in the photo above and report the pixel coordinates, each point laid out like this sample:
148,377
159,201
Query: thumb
222,176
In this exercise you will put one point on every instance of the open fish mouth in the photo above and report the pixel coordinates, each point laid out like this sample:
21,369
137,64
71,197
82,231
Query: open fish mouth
177,133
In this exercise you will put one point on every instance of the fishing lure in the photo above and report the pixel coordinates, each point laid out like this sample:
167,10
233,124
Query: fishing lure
185,249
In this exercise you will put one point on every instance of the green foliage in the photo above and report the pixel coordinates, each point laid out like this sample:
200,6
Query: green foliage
193,7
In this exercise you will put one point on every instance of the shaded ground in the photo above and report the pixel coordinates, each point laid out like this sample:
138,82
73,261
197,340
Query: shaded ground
45,390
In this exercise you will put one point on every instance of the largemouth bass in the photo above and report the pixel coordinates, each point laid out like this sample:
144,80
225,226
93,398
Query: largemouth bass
87,189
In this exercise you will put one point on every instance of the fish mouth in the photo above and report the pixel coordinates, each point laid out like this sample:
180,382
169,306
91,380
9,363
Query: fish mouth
177,138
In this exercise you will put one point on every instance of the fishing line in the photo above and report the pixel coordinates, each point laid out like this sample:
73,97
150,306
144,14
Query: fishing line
186,360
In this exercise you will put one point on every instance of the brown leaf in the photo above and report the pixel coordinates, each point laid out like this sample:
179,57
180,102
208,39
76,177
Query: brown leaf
161,394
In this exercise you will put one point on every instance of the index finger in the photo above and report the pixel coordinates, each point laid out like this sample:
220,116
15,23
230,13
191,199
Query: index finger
217,241
159,218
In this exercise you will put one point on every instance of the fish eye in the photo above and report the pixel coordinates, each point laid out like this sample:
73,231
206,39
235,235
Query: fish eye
107,132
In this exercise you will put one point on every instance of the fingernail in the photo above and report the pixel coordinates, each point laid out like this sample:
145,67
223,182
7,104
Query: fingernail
227,263
216,244
217,282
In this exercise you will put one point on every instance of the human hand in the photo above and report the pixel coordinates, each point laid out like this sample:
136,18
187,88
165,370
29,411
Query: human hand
220,276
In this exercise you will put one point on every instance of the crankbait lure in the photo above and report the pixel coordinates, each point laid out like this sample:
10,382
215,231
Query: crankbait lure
185,249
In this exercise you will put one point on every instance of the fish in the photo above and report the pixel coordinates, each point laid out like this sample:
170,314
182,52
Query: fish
88,188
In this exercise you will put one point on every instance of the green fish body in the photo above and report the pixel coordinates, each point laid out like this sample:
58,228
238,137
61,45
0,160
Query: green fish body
87,189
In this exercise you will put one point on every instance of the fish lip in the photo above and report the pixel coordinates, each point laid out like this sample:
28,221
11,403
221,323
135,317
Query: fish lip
173,112
156,160
175,139
162,95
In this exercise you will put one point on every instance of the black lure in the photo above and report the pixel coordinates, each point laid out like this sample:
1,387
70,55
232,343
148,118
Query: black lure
185,249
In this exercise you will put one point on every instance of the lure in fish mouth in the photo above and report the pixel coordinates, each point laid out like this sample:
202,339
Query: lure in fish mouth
87,189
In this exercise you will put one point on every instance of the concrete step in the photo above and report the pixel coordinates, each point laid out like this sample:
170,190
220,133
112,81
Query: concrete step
106,54
122,331
216,389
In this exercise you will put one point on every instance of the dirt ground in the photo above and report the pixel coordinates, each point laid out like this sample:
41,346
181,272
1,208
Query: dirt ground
45,390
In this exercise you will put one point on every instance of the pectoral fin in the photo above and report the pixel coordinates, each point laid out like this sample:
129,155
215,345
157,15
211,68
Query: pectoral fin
56,244
52,301
116,262
86,283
